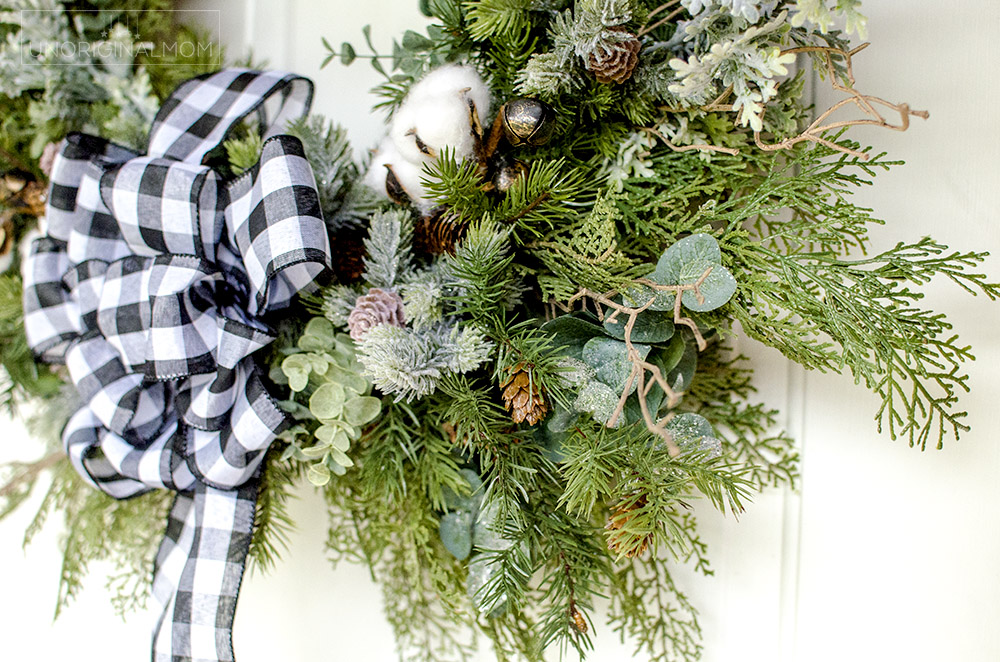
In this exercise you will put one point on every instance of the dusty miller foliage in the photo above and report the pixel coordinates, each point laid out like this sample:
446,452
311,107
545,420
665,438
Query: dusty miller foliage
573,513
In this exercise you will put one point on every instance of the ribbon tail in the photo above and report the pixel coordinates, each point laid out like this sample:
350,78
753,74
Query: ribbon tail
198,572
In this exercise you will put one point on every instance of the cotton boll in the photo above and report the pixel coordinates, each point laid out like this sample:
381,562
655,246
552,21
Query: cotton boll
435,114
407,174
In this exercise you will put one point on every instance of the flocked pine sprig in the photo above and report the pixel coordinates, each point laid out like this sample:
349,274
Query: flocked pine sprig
390,234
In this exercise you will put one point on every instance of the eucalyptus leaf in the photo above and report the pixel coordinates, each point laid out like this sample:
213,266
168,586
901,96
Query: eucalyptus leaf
318,475
362,409
609,359
717,288
340,458
297,368
455,501
697,248
572,332
680,377
327,401
599,399
455,530
692,432
650,326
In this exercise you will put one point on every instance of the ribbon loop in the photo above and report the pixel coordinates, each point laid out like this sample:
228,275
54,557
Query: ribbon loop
152,287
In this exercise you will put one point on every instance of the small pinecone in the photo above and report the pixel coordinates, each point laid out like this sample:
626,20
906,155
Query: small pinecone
522,397
579,623
614,62
376,307
349,254
438,232
621,516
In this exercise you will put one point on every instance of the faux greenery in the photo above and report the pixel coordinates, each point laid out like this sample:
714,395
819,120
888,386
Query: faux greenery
596,296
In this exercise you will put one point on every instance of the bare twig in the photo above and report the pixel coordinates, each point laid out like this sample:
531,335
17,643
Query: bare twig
866,103
644,375
646,29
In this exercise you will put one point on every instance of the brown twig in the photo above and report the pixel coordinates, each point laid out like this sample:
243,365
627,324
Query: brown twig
640,367
646,29
31,471
866,103
542,197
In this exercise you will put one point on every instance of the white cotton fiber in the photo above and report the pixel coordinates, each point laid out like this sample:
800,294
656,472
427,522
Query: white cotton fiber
408,174
436,111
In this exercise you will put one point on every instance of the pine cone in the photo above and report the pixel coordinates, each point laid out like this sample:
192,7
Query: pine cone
438,232
376,307
349,256
621,516
614,61
522,397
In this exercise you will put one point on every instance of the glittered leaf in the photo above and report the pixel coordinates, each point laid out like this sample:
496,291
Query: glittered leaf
598,399
650,326
609,358
573,332
693,432
455,501
455,530
717,288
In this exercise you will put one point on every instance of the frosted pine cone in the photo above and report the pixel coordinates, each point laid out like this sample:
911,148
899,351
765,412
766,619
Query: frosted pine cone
614,61
376,307
522,397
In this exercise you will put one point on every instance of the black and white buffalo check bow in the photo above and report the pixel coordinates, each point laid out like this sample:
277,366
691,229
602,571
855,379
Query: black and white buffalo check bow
151,285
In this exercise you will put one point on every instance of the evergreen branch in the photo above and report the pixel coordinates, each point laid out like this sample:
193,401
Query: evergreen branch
273,522
866,311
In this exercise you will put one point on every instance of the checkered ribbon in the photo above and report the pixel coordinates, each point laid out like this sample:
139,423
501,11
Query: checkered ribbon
151,286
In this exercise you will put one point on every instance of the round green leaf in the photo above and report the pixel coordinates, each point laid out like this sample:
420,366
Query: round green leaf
361,410
296,367
679,378
470,501
694,433
347,54
650,326
694,248
599,399
717,288
610,361
341,458
327,401
318,475
572,333
455,530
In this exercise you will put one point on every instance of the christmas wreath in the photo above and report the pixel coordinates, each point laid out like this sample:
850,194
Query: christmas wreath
500,347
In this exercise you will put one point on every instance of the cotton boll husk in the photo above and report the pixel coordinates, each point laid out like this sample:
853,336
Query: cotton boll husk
408,174
436,109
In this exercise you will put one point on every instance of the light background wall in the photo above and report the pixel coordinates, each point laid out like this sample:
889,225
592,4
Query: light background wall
885,553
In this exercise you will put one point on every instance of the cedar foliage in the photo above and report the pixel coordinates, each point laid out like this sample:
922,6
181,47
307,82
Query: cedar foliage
571,511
